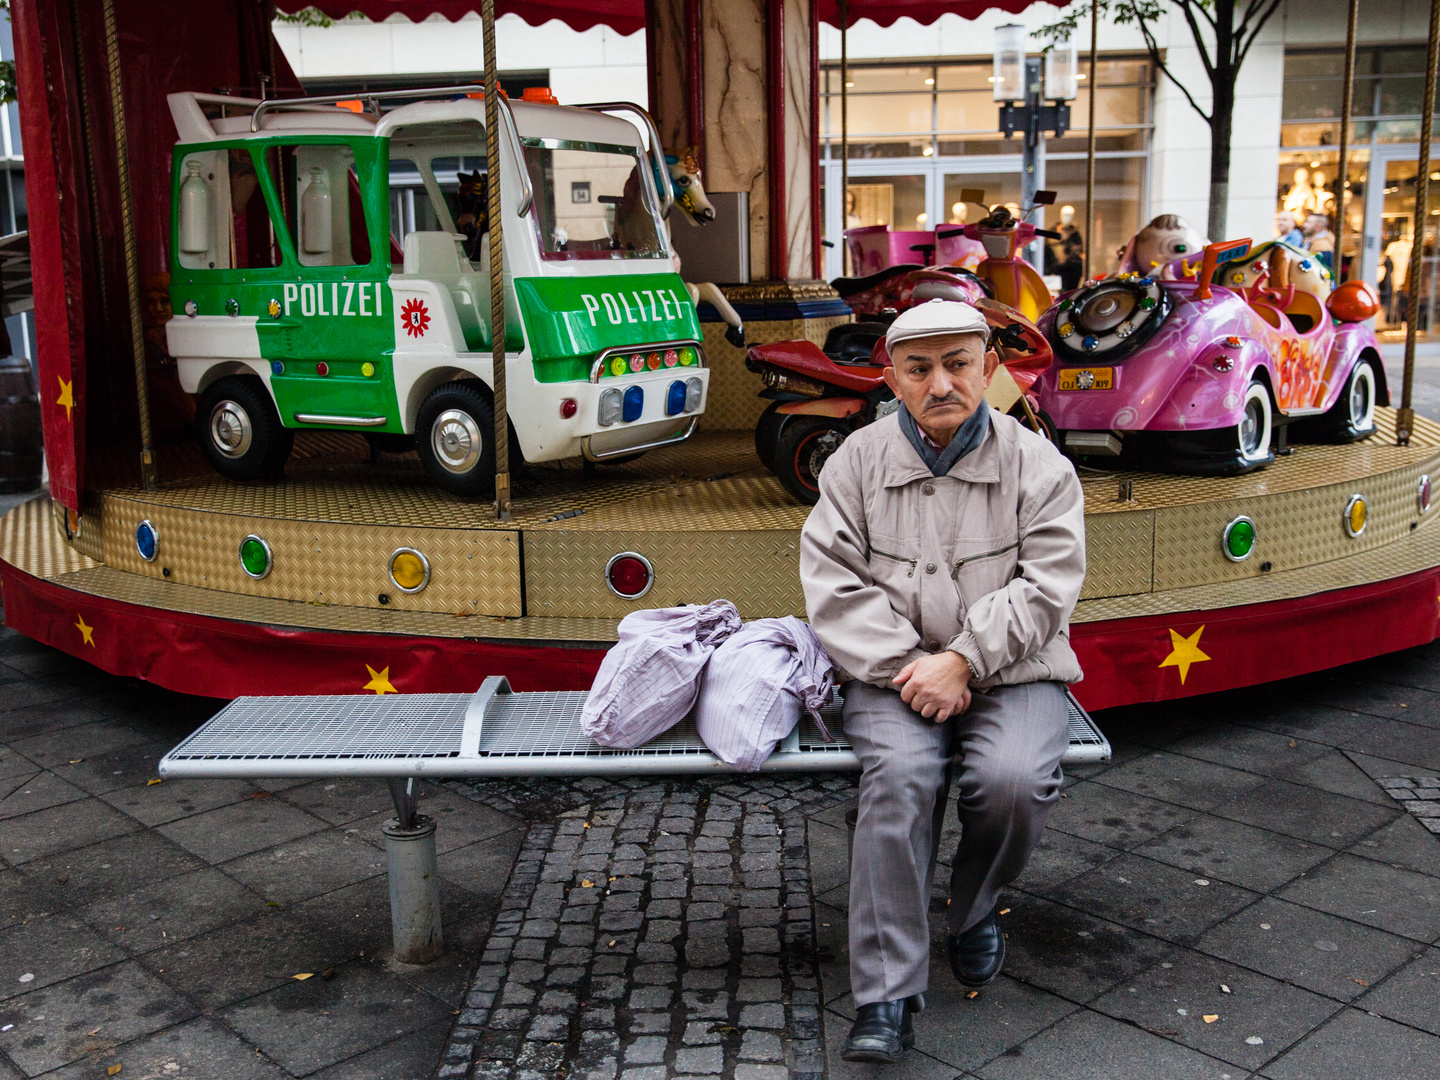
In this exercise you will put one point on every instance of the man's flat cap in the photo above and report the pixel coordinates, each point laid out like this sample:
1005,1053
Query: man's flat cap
933,318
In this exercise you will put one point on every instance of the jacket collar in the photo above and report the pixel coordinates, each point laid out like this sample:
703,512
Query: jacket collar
903,464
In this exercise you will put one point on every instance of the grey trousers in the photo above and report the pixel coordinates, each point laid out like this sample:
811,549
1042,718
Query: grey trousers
1008,747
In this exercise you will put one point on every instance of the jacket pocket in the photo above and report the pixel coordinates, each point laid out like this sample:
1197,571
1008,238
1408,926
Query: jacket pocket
893,563
984,570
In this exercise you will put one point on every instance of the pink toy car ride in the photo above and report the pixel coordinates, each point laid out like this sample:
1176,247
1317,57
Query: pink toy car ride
1196,368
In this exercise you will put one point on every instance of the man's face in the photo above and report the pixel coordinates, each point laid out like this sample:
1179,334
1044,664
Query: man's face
941,380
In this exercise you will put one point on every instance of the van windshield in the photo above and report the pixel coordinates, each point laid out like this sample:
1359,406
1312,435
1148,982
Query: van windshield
592,200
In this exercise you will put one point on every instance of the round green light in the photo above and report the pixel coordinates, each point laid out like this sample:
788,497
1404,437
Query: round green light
1238,540
1065,305
617,365
687,357
255,557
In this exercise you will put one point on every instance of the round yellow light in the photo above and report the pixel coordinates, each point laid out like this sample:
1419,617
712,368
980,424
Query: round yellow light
1355,516
408,570
367,369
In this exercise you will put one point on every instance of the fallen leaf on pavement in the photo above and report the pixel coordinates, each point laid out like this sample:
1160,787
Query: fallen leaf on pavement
328,973
1006,911
157,780
76,760
1210,1018
258,795
973,994
587,884
113,1069
303,976
1362,982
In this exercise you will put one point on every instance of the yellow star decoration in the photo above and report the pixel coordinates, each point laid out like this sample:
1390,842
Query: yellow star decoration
86,632
1184,651
379,681
66,398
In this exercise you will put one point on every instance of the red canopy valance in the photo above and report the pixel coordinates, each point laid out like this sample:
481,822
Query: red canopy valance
628,16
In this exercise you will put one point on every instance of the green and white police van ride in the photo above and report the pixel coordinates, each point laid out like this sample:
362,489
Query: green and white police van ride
330,271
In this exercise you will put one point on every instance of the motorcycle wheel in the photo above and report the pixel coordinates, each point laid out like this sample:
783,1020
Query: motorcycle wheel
767,433
801,452
1047,426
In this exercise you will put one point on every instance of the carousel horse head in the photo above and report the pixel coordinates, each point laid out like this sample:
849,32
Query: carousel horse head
689,191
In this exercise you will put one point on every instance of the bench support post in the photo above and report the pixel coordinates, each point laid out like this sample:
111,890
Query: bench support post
414,882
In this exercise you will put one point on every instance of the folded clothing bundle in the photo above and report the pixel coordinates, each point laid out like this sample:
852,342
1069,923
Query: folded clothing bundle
756,684
649,680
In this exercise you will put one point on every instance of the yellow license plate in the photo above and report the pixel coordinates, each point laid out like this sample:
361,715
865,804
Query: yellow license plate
1100,378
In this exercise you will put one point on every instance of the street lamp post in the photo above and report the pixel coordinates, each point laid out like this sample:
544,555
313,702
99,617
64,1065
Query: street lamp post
1023,92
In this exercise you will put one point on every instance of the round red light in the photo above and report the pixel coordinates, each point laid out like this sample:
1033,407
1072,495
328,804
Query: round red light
629,576
653,361
322,368
637,362
568,408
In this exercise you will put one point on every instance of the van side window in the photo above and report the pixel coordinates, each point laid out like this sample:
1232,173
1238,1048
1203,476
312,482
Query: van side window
320,193
223,222
252,235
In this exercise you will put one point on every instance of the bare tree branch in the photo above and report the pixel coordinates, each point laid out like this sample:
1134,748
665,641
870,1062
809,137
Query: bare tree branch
1186,9
1153,47
1244,49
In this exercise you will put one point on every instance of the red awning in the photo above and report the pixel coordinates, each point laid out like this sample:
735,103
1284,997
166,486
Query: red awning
628,16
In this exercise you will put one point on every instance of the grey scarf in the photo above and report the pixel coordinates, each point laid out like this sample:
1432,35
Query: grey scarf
967,437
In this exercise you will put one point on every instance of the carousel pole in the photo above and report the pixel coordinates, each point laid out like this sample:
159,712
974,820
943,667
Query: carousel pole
497,263
844,135
1090,145
127,238
1405,418
1345,113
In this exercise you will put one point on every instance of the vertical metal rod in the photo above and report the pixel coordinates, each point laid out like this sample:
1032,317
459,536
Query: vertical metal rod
1405,419
844,135
1345,113
127,236
1090,238
497,263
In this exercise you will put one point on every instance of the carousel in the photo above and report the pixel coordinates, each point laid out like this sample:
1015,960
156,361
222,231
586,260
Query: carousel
291,453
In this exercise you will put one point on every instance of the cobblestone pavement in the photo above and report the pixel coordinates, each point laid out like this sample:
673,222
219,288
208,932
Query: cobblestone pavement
1240,893
1420,795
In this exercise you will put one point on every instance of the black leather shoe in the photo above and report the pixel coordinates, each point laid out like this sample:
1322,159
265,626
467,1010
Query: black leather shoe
882,1031
977,954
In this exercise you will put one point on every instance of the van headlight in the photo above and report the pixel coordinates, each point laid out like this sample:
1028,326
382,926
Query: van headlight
1111,318
693,389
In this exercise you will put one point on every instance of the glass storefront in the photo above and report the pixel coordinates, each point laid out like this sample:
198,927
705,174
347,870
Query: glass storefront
921,133
1380,216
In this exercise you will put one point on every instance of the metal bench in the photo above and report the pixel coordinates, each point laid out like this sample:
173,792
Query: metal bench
494,732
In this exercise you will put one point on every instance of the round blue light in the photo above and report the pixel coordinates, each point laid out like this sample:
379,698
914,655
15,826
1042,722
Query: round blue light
277,368
1146,282
1089,342
1305,264
147,542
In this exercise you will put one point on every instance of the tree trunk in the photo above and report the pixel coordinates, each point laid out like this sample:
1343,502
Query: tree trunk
1222,118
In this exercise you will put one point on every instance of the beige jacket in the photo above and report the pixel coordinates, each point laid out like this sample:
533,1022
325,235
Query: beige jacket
987,560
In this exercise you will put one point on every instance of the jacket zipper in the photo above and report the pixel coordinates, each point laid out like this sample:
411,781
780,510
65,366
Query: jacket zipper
897,558
955,574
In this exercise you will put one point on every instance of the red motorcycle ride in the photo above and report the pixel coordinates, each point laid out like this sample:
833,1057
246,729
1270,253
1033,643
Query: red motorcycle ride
820,395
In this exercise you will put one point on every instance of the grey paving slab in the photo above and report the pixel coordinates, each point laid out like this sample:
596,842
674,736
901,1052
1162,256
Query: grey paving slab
830,855
1070,953
1413,744
395,1060
359,914
1218,1008
13,763
1153,897
460,822
65,827
1241,854
1309,948
448,978
73,744
50,949
1175,778
1086,1045
171,800
1336,773
22,695
1309,722
482,867
51,714
38,791
309,865
1404,843
343,802
132,764
1251,749
25,895
110,868
1059,857
1307,813
172,910
53,1026
1413,667
1107,815
1400,901
199,1049
312,1024
220,835
1411,995
249,957
1357,1044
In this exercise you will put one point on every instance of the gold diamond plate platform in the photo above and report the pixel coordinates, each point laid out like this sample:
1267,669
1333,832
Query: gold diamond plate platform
711,520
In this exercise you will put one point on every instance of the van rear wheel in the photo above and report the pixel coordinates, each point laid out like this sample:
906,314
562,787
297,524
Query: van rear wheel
455,434
240,430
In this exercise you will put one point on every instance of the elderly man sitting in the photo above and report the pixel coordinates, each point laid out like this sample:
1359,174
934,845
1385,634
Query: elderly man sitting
940,568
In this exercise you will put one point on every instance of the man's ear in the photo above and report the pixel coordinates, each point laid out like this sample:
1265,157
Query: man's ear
992,361
888,374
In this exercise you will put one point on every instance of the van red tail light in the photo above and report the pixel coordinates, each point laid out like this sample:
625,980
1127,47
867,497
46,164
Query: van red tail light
629,575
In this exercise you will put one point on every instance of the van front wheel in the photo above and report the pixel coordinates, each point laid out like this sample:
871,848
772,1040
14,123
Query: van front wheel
455,434
240,430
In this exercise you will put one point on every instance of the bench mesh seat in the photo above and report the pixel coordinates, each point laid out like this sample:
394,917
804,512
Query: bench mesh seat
493,732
